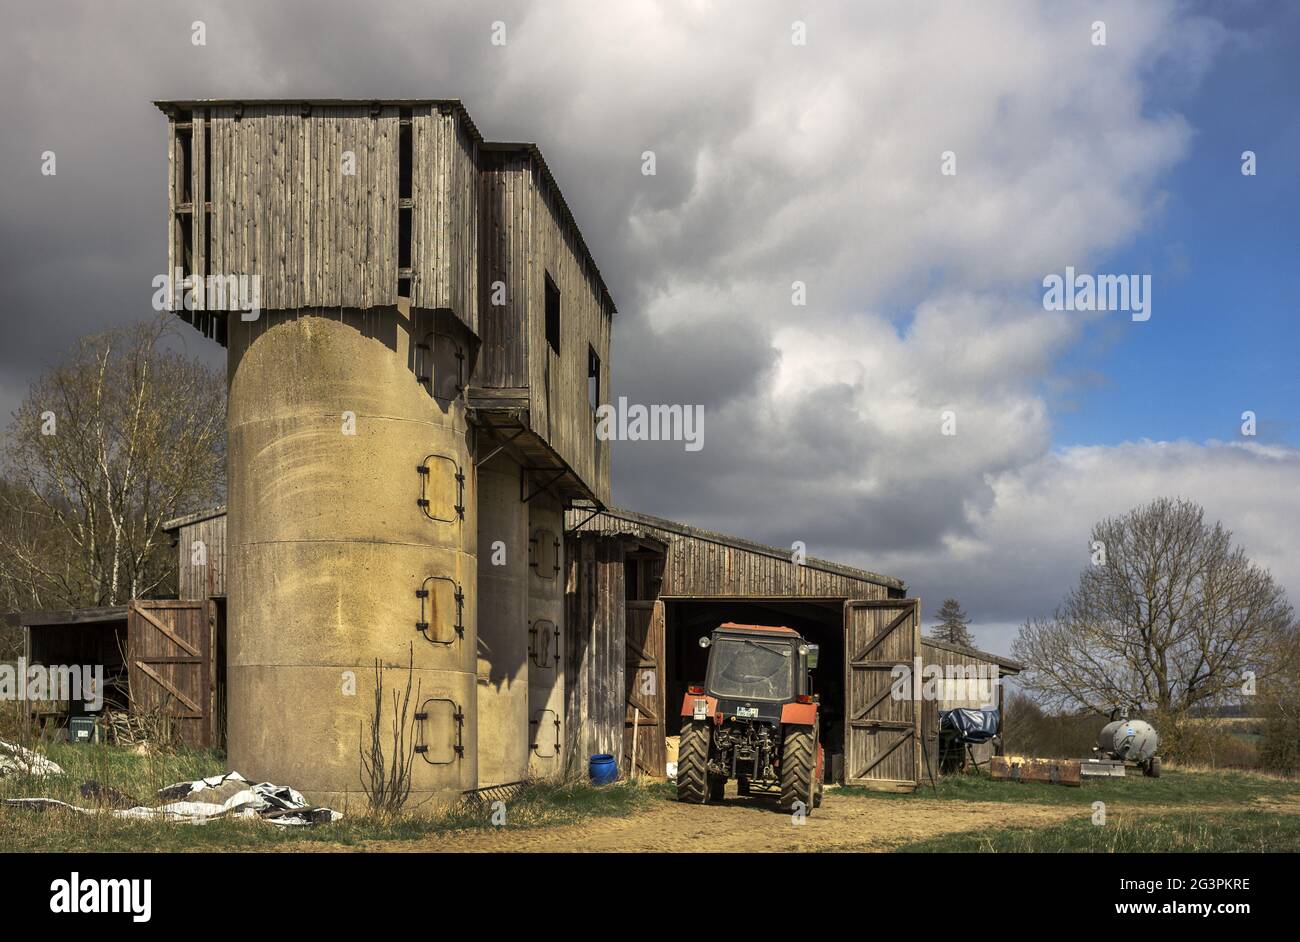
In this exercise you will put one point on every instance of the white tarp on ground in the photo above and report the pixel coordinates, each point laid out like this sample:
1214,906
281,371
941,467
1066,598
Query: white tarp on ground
219,796
14,758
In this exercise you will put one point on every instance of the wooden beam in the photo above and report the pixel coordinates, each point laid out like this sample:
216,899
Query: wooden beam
177,639
166,685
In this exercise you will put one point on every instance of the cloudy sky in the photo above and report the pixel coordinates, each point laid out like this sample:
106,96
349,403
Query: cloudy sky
819,163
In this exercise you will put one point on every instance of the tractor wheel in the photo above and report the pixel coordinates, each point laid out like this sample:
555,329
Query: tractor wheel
693,763
821,778
798,756
742,785
1152,769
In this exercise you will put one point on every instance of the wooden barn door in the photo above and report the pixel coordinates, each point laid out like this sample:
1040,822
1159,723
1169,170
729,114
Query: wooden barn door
882,731
169,653
644,677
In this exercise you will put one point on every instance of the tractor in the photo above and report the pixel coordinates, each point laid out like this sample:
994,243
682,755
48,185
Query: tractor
754,719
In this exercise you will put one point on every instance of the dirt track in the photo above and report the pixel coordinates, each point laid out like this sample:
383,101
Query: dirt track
843,823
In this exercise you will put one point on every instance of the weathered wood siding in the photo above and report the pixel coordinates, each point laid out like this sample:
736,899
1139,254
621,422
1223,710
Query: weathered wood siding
281,206
595,626
526,236
558,397
445,214
505,210
699,563
202,575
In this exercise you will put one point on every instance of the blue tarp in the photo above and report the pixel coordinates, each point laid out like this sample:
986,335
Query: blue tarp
970,726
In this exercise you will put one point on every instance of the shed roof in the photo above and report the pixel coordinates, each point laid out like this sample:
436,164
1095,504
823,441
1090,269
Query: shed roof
67,616
197,516
638,522
1008,666
167,106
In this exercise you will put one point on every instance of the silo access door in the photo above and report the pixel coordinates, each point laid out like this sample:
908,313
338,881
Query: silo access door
882,716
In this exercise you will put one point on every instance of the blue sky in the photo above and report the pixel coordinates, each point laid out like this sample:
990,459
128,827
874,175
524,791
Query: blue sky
1223,254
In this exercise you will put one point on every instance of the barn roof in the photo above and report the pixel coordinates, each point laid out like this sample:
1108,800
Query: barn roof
637,524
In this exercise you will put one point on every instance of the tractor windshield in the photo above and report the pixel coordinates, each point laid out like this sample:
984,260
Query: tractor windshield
751,670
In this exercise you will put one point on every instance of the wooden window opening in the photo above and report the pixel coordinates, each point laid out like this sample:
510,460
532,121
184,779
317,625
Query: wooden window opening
552,314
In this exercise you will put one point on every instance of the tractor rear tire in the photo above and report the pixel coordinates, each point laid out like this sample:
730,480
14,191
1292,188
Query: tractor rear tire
798,758
693,763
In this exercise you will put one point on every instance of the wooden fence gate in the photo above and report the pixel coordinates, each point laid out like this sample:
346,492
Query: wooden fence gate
171,664
644,677
882,729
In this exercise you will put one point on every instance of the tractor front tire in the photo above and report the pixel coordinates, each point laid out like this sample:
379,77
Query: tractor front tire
798,758
693,763
742,785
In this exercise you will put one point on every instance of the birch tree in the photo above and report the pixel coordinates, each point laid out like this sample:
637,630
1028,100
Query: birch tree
119,436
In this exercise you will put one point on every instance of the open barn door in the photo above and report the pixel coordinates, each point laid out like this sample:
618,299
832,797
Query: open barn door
644,677
882,731
170,659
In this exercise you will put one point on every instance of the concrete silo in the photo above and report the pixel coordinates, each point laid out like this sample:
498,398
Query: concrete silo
417,337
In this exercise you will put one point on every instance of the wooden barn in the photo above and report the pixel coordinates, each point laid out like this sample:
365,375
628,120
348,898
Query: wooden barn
641,590
160,658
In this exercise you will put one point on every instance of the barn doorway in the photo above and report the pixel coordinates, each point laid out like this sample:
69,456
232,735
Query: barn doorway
819,620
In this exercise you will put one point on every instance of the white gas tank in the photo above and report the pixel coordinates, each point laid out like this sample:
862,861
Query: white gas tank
1130,740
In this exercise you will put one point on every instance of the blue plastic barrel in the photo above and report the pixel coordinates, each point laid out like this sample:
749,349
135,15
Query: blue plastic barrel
602,769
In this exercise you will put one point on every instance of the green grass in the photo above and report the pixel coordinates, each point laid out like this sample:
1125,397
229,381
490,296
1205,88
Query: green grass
21,829
1190,832
1173,787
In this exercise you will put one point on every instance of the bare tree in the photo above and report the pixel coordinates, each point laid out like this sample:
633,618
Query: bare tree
1279,746
118,437
1170,617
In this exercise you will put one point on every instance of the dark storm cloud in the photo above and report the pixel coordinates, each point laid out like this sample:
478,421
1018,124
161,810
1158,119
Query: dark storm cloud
775,164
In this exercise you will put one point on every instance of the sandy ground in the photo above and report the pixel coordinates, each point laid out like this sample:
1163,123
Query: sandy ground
843,823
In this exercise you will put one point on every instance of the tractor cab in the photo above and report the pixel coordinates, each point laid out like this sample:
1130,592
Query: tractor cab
754,719
755,669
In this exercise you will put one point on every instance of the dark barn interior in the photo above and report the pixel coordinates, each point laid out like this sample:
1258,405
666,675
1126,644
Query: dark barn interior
820,621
